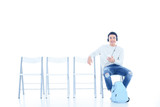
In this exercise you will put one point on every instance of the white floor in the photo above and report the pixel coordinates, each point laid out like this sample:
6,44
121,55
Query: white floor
84,98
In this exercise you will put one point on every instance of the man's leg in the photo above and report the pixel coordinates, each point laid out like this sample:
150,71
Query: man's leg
107,76
124,72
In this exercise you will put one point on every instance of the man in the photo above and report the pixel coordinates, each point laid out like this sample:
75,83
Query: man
111,59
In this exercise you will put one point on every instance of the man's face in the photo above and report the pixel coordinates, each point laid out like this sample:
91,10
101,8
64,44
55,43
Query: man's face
112,39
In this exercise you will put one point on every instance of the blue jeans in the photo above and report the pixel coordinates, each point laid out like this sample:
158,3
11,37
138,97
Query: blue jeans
116,70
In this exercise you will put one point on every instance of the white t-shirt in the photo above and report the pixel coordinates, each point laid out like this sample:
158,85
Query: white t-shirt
106,51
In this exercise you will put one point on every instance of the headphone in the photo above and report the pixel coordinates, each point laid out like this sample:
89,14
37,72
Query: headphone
112,33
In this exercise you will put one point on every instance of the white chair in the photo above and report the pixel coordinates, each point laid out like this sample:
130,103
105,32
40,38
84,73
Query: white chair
48,74
83,60
21,79
101,81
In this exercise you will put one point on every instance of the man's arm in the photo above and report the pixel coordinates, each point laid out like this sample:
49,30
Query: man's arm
95,53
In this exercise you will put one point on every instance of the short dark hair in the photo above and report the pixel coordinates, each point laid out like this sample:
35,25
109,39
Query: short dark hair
112,33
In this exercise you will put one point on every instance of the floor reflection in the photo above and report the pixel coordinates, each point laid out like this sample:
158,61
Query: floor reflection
72,102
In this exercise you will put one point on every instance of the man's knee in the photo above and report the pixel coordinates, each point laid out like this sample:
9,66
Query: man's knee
107,75
130,73
107,72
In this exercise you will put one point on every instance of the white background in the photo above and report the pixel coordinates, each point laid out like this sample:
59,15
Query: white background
76,28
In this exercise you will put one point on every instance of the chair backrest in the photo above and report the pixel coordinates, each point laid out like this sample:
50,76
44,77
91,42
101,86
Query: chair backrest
57,60
32,65
57,63
31,60
80,65
80,59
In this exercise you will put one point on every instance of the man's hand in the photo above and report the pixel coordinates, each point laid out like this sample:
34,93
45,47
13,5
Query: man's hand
111,59
89,61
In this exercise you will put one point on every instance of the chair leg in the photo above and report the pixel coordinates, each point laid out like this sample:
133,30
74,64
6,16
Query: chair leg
68,85
48,85
19,91
102,89
23,84
74,86
41,88
41,78
101,82
43,85
47,78
74,89
20,78
68,88
95,95
94,79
